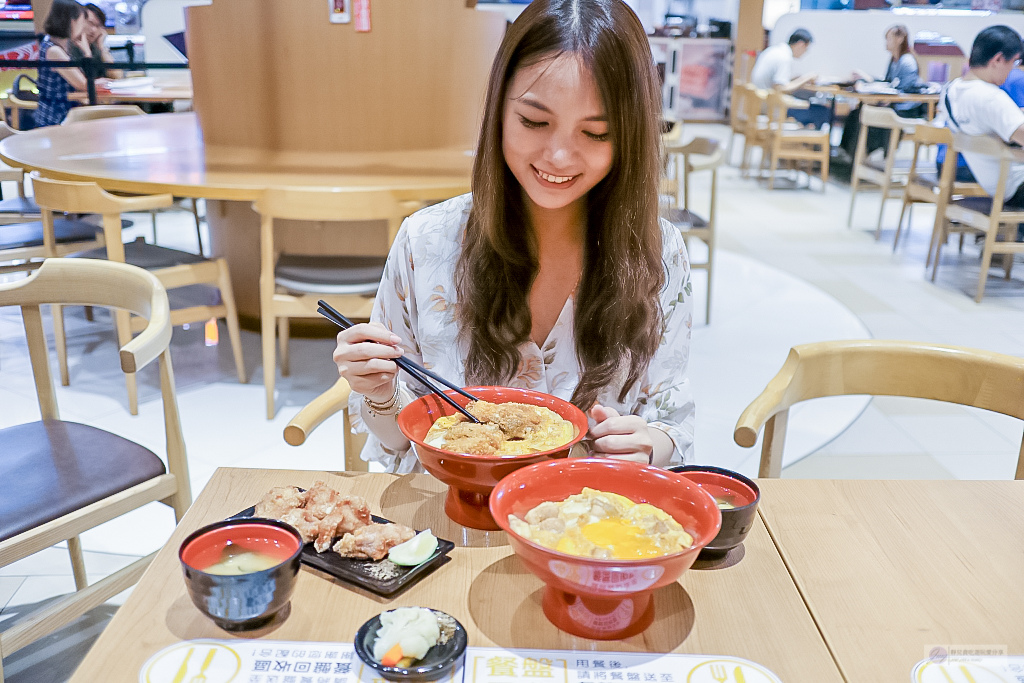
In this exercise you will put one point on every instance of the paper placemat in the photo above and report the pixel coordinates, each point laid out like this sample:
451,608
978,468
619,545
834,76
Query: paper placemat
970,669
266,661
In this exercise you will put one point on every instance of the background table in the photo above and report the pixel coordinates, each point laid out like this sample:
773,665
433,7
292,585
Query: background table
890,569
745,606
882,99
166,153
163,88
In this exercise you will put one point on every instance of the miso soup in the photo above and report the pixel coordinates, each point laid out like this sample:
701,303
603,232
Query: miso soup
238,560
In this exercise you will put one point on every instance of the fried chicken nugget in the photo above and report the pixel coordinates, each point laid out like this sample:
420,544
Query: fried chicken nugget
373,541
305,523
321,500
473,439
280,500
351,513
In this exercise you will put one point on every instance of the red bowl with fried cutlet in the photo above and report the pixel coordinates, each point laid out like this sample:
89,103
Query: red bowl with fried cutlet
471,478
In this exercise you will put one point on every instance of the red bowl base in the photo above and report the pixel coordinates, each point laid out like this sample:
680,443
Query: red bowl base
599,618
469,508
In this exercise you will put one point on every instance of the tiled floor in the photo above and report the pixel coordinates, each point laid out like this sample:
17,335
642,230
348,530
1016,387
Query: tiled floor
772,244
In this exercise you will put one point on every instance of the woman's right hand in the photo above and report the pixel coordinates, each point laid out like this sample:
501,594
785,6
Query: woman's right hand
365,358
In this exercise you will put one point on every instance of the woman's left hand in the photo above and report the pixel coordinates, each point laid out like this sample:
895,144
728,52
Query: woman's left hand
622,437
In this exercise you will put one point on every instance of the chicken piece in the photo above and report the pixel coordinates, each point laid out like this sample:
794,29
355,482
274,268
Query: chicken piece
373,541
322,499
516,420
473,439
280,500
351,513
305,523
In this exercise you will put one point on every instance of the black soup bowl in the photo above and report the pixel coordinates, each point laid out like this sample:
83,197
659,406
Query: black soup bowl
726,486
238,602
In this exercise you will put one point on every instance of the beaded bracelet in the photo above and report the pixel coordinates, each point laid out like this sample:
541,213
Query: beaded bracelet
389,407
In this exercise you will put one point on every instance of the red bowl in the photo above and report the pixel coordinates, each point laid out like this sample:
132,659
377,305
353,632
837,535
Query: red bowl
471,478
604,599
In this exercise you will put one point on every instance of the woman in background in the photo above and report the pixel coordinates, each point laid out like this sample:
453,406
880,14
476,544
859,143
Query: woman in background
903,75
66,23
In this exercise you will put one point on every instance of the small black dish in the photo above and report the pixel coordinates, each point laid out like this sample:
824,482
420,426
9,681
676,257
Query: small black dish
737,521
382,577
240,602
434,665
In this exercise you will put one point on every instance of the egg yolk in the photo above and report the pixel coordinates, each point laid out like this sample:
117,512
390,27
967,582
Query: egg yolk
625,541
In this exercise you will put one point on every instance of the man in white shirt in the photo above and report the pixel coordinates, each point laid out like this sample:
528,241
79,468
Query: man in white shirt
975,105
774,67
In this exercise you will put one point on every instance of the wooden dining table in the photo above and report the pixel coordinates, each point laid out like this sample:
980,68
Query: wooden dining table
166,153
930,100
745,605
155,88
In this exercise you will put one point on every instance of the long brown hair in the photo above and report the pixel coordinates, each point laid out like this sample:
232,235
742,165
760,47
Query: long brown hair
618,318
901,33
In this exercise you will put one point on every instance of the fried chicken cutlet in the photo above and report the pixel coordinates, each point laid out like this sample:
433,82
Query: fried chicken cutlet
516,420
280,500
473,439
373,541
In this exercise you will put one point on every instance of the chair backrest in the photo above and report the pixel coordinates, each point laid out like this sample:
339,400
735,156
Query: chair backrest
953,374
101,111
779,104
334,204
6,131
880,117
991,146
928,136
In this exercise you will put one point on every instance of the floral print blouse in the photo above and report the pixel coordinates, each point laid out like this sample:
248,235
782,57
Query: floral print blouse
416,301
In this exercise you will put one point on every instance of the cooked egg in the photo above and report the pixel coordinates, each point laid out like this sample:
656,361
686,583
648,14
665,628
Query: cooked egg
603,525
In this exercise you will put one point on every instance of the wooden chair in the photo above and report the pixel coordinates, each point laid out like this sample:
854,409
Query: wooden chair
739,114
885,173
291,284
172,267
699,154
19,104
953,374
927,187
332,401
66,477
984,215
109,111
802,145
101,111
756,133
16,209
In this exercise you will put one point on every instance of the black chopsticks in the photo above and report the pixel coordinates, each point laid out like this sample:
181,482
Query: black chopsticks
413,369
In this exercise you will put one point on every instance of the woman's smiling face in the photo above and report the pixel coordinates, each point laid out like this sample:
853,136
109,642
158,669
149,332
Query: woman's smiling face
555,132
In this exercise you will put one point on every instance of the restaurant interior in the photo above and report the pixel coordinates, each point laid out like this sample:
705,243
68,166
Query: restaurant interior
193,206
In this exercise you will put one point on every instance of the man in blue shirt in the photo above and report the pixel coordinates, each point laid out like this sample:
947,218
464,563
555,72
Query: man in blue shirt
1014,87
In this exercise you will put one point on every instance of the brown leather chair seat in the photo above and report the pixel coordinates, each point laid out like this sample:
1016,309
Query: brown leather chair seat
330,274
52,468
684,217
146,256
66,231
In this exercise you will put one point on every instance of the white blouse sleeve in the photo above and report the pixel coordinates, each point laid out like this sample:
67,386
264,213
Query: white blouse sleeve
666,399
395,308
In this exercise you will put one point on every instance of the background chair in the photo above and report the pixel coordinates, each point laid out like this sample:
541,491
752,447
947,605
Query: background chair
107,111
953,374
756,133
800,145
291,284
332,401
59,479
927,187
699,154
885,173
15,209
172,267
22,96
984,215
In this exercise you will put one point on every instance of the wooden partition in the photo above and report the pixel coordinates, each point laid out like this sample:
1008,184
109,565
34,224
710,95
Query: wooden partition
277,76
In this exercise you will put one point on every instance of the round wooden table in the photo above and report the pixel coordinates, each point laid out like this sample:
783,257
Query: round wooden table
165,153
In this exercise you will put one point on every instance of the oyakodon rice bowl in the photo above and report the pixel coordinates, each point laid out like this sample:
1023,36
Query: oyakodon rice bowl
471,477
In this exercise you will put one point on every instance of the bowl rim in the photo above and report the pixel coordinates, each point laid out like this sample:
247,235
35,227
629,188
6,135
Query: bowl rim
580,435
731,474
461,636
255,521
612,562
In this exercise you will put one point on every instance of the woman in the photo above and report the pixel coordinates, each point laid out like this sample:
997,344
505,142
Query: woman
93,42
66,23
555,274
902,74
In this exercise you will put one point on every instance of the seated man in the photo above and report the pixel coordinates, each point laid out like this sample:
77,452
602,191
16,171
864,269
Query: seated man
773,69
975,105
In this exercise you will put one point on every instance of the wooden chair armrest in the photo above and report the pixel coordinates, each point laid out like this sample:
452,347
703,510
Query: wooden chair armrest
316,411
772,400
140,203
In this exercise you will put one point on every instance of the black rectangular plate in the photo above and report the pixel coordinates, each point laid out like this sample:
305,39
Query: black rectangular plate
359,572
